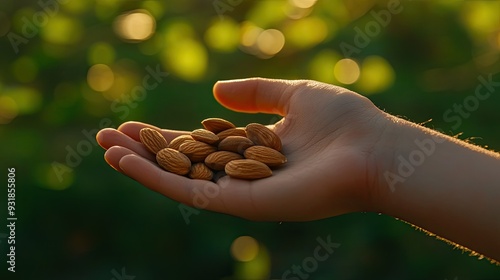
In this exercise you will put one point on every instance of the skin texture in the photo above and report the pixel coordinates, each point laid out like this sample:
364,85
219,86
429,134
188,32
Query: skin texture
340,148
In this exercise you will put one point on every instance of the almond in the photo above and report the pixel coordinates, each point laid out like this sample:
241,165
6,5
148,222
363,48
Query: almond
173,161
261,135
219,159
177,141
237,144
247,169
204,135
216,125
152,139
200,171
266,155
196,151
237,131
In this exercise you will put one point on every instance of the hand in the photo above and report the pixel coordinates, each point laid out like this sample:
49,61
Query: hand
328,134
340,148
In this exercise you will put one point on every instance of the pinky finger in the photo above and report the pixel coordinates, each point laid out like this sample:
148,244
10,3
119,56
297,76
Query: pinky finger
114,154
176,187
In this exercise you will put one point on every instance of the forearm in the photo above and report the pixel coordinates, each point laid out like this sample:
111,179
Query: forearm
443,185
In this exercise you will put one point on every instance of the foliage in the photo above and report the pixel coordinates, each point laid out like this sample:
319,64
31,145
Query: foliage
72,67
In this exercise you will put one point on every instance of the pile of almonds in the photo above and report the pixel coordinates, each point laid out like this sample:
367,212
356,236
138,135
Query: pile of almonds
244,153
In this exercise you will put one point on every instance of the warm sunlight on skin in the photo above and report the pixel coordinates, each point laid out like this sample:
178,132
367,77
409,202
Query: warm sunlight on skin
337,126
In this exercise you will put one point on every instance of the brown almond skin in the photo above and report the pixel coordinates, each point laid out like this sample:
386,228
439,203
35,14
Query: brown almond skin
177,141
248,169
152,139
237,144
218,160
173,161
217,125
196,151
204,135
263,136
266,155
237,131
200,171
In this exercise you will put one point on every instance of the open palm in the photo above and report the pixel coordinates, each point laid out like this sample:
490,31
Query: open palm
329,136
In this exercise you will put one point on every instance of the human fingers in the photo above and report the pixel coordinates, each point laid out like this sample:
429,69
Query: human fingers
110,137
114,154
179,188
133,128
256,94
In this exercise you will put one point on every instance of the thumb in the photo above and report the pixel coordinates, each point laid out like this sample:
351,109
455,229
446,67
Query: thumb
256,95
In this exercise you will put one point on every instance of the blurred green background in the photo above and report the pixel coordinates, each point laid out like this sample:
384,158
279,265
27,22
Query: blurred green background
71,67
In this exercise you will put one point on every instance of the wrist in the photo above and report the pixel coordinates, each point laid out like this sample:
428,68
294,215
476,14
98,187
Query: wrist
439,183
402,149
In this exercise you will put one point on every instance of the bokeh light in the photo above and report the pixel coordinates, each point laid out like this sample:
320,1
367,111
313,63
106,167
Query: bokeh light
270,42
259,42
27,99
8,109
306,32
267,13
376,75
249,34
137,25
244,248
223,35
114,81
481,17
187,59
100,77
183,55
62,30
81,63
259,267
294,12
346,71
126,78
322,65
304,4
